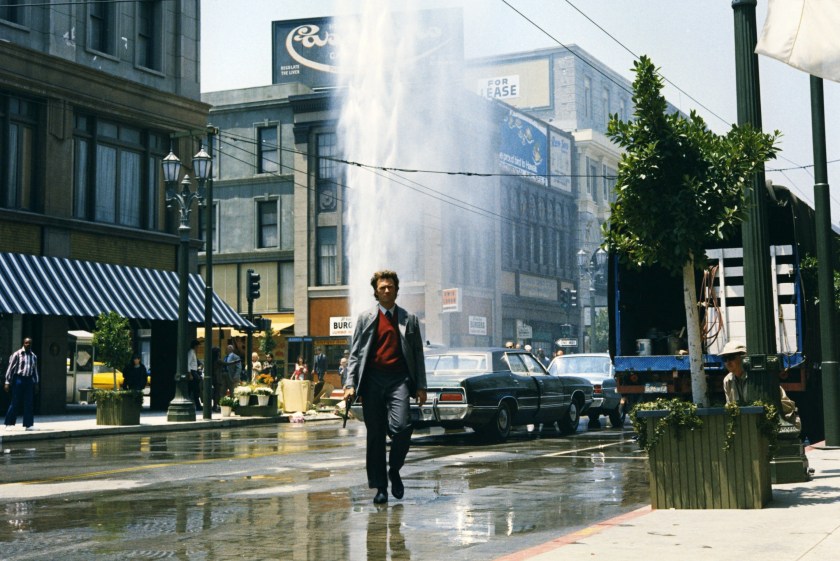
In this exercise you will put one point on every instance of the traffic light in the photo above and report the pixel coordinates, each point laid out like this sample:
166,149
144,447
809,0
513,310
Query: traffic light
572,297
564,298
253,289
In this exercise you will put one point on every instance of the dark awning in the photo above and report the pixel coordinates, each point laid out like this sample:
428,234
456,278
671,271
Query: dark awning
55,286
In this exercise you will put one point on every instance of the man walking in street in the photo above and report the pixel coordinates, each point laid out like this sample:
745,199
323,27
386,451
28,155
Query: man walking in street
385,369
22,379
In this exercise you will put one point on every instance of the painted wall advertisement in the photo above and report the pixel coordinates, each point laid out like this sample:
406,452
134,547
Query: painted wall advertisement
524,147
310,50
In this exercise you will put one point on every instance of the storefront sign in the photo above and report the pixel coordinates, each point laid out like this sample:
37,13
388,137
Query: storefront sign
478,325
450,300
524,331
537,287
341,326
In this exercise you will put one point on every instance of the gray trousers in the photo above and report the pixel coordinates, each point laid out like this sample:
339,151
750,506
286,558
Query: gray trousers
385,403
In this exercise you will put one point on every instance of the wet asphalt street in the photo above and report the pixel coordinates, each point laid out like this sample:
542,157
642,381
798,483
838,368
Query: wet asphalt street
298,492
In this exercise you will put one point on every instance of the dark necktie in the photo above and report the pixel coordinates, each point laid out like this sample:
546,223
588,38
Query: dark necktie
388,315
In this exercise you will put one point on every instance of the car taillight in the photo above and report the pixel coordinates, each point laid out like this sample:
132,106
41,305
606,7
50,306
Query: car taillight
451,397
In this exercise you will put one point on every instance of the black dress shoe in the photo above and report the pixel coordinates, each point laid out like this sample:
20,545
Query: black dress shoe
397,487
381,497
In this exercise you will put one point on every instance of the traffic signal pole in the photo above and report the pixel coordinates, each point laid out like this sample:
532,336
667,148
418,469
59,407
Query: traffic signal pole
252,293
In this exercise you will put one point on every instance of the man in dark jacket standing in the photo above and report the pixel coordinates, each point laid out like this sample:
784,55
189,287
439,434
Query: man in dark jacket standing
386,368
22,379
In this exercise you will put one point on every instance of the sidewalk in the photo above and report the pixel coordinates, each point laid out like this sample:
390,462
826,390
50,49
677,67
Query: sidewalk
802,523
81,422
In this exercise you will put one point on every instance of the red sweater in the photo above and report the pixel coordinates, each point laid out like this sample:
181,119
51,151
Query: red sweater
387,353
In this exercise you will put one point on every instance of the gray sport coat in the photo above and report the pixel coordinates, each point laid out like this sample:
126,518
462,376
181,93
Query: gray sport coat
364,336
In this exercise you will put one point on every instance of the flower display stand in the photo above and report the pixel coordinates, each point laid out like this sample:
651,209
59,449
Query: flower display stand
691,469
254,409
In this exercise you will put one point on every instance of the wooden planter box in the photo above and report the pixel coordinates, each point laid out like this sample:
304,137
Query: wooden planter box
254,410
118,412
695,472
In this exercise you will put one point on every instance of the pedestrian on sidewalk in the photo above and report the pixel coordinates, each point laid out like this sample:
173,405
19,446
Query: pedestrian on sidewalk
386,368
231,372
194,378
135,374
319,365
22,380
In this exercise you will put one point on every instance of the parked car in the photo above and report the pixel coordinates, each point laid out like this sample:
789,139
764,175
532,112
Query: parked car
490,390
103,378
599,370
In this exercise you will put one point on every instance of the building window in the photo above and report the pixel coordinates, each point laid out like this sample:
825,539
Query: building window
605,106
587,97
150,34
202,226
287,285
327,256
116,173
327,173
268,148
102,27
622,109
267,223
18,126
13,11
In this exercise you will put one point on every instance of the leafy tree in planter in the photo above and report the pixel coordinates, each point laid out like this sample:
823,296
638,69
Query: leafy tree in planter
112,340
679,187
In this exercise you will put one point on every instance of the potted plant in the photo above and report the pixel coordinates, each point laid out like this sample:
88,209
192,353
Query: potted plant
227,404
117,407
243,394
702,458
112,340
263,394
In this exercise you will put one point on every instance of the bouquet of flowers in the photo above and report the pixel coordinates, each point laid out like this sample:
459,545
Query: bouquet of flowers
264,379
244,389
262,390
228,401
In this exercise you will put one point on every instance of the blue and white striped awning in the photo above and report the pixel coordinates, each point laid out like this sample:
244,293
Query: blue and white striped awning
55,286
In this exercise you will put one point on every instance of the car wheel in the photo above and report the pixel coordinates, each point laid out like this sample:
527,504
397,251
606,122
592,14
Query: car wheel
498,429
569,423
617,417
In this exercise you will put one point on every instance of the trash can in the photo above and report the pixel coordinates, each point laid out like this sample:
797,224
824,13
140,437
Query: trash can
297,395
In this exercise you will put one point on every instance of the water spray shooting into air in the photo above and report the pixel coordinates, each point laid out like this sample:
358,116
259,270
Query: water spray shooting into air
403,105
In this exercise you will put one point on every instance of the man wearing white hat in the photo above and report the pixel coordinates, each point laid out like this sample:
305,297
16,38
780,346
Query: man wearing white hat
735,383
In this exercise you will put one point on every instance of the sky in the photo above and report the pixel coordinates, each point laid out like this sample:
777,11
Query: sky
691,42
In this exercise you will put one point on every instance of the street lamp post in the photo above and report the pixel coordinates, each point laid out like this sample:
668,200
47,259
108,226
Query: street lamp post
181,408
592,268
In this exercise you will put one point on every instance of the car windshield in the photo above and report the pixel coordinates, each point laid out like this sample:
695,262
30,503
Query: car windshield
437,365
580,365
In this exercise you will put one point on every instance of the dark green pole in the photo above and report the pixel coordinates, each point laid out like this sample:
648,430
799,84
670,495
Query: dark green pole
822,209
209,367
763,383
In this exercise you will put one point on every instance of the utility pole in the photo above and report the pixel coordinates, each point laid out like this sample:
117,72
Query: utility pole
825,270
789,464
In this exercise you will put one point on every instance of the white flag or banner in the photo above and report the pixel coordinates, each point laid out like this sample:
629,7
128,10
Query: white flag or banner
804,34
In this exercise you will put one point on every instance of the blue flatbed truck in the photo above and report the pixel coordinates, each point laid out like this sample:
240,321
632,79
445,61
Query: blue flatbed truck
647,316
